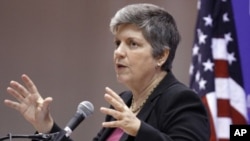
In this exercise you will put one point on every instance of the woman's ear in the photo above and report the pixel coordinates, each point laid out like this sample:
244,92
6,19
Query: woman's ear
163,58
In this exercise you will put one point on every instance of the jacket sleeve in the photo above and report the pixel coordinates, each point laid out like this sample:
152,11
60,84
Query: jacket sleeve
180,116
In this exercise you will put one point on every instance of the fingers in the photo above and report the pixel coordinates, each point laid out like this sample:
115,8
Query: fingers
15,94
12,104
116,104
26,95
111,124
17,89
125,118
113,94
112,98
116,114
120,108
29,84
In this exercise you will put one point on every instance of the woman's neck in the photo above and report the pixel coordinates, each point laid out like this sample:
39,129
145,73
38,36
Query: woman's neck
144,90
141,95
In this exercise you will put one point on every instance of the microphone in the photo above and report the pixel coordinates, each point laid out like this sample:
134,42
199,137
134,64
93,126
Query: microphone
84,110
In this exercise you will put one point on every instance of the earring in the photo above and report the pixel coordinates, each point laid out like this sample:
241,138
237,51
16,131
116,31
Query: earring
158,65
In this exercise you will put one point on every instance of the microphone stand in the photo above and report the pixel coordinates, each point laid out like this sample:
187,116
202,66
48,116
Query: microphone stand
36,137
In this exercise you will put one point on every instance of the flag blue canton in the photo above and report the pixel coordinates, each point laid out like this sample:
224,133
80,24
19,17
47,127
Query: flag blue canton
215,20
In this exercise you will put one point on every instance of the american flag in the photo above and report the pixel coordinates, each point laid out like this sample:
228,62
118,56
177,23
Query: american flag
215,70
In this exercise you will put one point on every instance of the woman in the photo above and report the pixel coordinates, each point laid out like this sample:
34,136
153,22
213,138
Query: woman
157,106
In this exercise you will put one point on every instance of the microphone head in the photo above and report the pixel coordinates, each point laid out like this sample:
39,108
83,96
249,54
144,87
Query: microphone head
85,108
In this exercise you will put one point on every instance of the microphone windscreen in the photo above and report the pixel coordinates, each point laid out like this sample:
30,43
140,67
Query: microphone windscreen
85,108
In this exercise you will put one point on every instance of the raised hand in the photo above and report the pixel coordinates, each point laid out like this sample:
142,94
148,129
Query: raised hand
125,118
30,104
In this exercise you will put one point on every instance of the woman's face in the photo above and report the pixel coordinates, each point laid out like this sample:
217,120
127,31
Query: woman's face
134,63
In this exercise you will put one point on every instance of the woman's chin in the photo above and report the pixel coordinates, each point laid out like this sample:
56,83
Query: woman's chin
122,79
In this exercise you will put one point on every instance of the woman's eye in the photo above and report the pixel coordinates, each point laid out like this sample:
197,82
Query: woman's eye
133,44
117,43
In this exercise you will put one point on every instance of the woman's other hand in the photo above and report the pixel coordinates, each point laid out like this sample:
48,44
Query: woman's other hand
30,104
125,118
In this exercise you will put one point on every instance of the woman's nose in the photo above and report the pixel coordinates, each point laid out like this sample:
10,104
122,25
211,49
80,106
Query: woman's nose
120,51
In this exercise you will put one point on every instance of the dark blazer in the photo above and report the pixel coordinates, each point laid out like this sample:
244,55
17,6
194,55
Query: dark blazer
172,112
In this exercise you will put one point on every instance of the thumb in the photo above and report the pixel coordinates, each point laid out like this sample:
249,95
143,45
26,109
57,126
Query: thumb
47,102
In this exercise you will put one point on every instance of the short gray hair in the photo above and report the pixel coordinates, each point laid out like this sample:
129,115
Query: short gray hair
158,27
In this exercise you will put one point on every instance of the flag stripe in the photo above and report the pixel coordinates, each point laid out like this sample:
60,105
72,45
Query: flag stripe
224,109
221,68
237,117
212,128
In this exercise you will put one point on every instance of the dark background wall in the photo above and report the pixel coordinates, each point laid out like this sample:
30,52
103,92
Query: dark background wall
66,48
